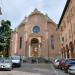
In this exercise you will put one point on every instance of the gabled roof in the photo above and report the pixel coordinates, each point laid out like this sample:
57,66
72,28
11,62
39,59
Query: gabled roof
35,11
48,19
23,22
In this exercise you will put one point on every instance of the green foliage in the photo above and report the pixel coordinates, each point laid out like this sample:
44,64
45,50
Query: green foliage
5,33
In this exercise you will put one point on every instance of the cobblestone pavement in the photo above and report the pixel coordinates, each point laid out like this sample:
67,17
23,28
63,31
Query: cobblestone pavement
34,69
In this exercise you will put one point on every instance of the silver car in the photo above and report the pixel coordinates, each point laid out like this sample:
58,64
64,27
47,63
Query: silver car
71,70
5,64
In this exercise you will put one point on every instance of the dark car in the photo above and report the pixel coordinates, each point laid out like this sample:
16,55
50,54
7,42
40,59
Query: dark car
68,63
16,60
61,64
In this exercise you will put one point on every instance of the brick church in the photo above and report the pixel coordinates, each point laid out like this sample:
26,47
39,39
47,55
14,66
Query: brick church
35,36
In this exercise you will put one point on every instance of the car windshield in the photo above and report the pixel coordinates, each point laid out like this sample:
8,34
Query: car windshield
70,61
73,59
1,60
15,57
5,60
56,60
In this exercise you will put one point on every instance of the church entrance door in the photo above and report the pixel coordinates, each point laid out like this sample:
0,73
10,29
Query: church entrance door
34,47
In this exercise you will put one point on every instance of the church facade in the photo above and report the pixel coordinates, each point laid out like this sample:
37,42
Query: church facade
35,36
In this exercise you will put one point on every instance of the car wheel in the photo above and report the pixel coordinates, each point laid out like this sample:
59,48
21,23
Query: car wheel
60,68
9,69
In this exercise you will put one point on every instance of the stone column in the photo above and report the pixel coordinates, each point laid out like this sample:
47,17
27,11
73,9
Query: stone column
61,55
39,50
70,54
15,43
29,50
39,38
66,55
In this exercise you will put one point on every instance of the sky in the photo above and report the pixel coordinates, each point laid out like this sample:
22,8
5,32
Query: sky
16,10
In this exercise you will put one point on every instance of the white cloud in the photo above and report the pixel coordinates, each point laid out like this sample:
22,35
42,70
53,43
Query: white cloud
16,10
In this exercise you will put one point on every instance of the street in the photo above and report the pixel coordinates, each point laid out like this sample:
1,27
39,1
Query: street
34,69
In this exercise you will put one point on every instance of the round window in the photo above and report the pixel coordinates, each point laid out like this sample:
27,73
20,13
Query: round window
36,29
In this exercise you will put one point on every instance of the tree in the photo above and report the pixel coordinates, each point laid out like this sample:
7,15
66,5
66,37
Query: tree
5,33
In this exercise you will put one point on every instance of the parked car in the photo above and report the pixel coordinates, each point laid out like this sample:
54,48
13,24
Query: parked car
56,63
5,64
71,70
16,60
61,64
68,63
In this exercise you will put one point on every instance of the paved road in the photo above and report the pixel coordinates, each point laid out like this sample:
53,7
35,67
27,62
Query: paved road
34,69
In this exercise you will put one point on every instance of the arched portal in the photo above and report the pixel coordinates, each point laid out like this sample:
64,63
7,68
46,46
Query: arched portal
67,50
71,46
71,49
34,41
34,47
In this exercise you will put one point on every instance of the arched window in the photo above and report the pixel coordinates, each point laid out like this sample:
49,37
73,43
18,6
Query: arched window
20,42
67,50
71,46
52,41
